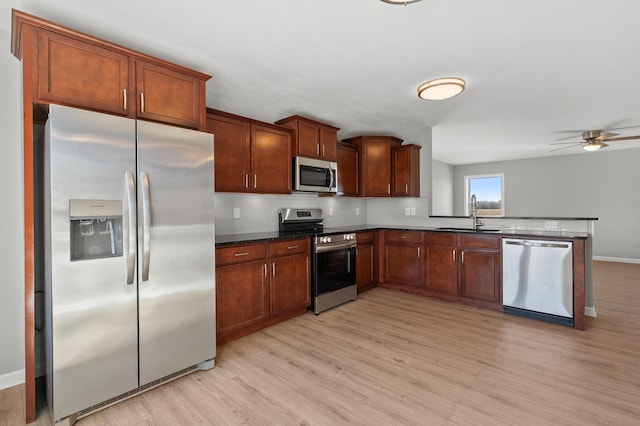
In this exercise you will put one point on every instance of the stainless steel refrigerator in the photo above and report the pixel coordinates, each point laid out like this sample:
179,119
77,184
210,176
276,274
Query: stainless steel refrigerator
129,256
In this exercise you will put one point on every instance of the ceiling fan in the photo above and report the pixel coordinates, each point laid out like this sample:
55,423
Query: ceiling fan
594,140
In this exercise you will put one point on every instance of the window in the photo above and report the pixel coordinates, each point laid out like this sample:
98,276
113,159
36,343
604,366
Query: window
489,191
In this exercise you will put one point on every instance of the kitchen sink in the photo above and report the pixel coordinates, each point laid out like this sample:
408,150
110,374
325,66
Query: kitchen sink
467,230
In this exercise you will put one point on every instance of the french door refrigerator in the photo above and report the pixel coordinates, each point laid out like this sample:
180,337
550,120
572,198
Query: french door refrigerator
129,257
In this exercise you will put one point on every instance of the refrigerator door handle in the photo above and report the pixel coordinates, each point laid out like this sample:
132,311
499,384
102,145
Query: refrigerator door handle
146,225
131,242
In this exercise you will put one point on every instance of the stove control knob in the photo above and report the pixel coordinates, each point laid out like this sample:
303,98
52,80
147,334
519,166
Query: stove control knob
328,239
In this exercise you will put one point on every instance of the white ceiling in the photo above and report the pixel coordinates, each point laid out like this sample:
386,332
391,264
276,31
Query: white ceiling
534,69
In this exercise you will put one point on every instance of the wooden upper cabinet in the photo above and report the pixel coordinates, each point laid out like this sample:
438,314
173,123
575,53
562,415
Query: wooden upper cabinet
168,96
406,170
271,160
76,69
72,72
347,155
311,138
232,148
375,164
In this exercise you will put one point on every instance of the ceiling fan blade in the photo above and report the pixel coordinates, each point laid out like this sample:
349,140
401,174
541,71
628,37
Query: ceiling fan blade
624,138
573,136
565,147
605,136
566,143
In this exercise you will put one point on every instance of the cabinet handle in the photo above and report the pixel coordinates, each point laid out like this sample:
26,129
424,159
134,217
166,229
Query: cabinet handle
124,98
323,150
418,252
406,188
388,188
462,257
454,255
241,254
292,247
273,269
246,180
318,148
403,238
141,102
264,268
255,181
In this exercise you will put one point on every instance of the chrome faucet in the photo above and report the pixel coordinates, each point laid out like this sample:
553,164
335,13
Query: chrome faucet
475,222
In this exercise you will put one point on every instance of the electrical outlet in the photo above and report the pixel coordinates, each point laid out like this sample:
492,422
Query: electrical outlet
413,211
236,213
407,211
357,211
330,211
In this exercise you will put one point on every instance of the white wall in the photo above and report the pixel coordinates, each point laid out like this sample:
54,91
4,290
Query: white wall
11,225
442,191
604,184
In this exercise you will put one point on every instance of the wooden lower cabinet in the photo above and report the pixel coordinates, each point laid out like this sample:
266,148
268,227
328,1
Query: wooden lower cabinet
402,253
261,284
366,261
480,268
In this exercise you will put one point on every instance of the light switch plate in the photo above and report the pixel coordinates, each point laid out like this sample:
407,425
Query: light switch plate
236,212
413,211
330,211
357,211
407,211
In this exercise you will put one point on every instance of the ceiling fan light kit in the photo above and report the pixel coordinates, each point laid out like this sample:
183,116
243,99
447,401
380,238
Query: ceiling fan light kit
594,146
441,88
403,2
594,140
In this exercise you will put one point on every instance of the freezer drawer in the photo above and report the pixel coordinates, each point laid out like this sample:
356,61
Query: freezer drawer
537,279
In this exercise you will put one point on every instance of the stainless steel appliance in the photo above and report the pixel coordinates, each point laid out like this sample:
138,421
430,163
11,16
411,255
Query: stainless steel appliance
537,279
129,257
333,270
313,175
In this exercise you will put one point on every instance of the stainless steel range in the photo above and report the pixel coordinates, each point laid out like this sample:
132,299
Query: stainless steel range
333,280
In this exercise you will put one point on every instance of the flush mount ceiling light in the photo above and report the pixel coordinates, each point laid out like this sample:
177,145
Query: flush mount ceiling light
401,1
441,88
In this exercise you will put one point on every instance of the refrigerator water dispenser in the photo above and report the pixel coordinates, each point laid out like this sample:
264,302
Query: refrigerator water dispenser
96,229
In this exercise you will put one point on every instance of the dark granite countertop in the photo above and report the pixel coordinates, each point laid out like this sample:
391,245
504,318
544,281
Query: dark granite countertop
256,237
518,217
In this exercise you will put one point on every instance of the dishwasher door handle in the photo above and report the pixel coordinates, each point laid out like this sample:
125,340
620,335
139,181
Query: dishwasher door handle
533,244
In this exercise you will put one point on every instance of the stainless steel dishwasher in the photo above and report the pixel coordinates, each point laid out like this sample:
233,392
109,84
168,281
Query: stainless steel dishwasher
537,279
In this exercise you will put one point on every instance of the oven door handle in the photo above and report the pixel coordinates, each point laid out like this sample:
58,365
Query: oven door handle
336,246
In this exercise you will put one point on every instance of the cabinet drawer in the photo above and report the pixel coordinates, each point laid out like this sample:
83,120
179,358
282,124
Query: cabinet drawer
240,253
441,239
365,237
287,247
403,236
475,241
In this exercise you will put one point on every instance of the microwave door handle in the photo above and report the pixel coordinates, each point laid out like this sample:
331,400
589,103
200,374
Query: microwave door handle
332,174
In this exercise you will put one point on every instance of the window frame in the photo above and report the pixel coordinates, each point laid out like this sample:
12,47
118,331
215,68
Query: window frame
467,194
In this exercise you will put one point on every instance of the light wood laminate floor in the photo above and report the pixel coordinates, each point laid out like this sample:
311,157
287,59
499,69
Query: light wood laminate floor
394,358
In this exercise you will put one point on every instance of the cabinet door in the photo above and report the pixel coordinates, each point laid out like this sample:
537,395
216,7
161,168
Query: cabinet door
406,171
376,169
365,272
231,153
242,295
76,73
441,269
168,96
347,170
290,283
328,142
270,160
308,139
402,263
480,275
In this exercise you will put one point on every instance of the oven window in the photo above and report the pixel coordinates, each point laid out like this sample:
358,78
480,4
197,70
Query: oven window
335,270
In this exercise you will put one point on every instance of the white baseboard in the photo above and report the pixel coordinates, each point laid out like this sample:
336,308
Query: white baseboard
590,311
616,259
11,379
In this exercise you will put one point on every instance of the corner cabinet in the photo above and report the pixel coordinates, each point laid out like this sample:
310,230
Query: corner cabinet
405,165
347,169
311,138
79,70
375,164
249,155
261,284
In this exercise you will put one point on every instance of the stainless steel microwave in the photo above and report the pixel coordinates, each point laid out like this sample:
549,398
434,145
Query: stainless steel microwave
310,175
